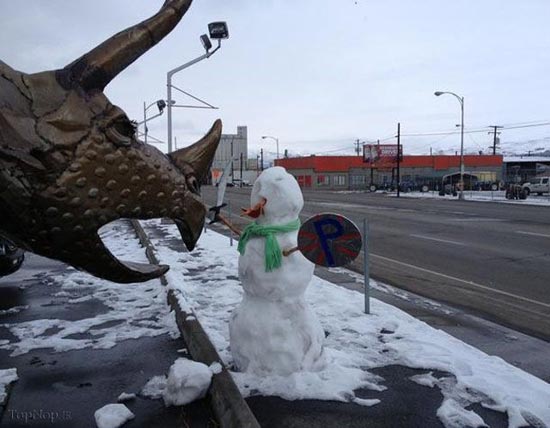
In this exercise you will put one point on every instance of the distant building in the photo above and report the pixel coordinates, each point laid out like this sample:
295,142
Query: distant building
351,173
519,169
232,145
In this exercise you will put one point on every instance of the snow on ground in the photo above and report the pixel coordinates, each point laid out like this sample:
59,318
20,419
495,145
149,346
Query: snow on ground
207,280
7,376
112,416
124,396
480,196
154,388
130,310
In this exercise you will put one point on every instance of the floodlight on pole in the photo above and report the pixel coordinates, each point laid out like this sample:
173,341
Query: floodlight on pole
273,138
218,31
161,105
461,101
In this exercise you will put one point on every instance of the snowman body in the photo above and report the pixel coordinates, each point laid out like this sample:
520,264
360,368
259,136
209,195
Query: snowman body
274,330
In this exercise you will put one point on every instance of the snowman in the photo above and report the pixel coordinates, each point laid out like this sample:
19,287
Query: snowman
274,330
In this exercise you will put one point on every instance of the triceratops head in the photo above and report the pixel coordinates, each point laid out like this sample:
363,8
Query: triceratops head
70,161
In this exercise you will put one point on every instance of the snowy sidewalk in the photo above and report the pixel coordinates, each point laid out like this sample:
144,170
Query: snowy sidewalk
76,343
375,363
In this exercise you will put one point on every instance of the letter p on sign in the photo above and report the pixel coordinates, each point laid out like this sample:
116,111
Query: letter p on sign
329,240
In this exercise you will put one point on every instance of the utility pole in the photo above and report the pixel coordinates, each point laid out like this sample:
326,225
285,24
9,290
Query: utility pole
241,168
398,156
261,159
232,162
357,147
495,133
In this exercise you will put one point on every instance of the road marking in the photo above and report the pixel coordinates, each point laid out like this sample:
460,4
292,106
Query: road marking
476,219
470,283
532,234
446,241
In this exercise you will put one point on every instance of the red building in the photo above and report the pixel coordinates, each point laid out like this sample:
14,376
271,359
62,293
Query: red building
350,172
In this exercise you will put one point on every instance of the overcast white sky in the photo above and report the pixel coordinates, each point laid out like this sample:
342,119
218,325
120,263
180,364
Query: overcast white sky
318,74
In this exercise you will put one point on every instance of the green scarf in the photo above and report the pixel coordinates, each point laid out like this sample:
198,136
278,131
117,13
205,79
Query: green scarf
273,254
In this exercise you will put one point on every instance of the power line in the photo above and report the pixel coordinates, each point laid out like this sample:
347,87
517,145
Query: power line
474,130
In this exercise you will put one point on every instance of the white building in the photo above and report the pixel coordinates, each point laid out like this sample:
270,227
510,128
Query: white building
232,146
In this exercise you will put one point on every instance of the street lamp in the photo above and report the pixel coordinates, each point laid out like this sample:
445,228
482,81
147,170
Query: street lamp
161,105
273,138
461,101
218,31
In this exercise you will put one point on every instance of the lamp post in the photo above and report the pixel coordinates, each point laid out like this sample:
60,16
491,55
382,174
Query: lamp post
161,105
273,138
218,31
461,101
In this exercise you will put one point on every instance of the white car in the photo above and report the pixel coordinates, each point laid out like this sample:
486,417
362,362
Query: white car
539,186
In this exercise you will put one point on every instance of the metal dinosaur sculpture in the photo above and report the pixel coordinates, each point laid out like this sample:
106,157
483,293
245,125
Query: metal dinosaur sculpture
70,161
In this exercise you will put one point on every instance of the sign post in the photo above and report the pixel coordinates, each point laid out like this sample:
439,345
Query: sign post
366,270
230,230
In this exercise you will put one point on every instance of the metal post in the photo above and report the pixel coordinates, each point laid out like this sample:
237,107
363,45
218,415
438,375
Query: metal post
232,163
230,231
398,156
169,75
145,121
366,271
241,169
261,159
169,99
461,196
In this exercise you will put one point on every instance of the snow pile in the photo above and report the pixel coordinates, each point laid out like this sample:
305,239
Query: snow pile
124,396
13,310
154,388
130,310
355,343
7,376
112,416
187,381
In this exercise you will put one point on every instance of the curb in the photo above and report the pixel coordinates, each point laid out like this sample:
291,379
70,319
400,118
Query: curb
228,404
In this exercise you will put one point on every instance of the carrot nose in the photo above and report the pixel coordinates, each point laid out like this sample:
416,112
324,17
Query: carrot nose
255,211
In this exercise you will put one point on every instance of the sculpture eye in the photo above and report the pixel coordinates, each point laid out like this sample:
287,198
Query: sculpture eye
121,131
193,184
125,127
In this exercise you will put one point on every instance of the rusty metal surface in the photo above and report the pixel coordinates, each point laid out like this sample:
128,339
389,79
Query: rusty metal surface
70,161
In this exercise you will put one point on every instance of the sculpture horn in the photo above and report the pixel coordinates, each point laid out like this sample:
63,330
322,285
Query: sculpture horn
95,69
199,156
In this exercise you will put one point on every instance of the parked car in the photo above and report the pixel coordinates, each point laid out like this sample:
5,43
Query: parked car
11,257
539,186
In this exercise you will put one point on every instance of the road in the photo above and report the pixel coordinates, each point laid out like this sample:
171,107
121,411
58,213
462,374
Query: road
488,258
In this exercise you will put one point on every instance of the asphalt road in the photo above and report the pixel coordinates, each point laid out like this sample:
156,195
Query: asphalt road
488,258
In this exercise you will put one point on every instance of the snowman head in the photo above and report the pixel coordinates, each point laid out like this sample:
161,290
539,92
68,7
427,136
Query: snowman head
276,197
